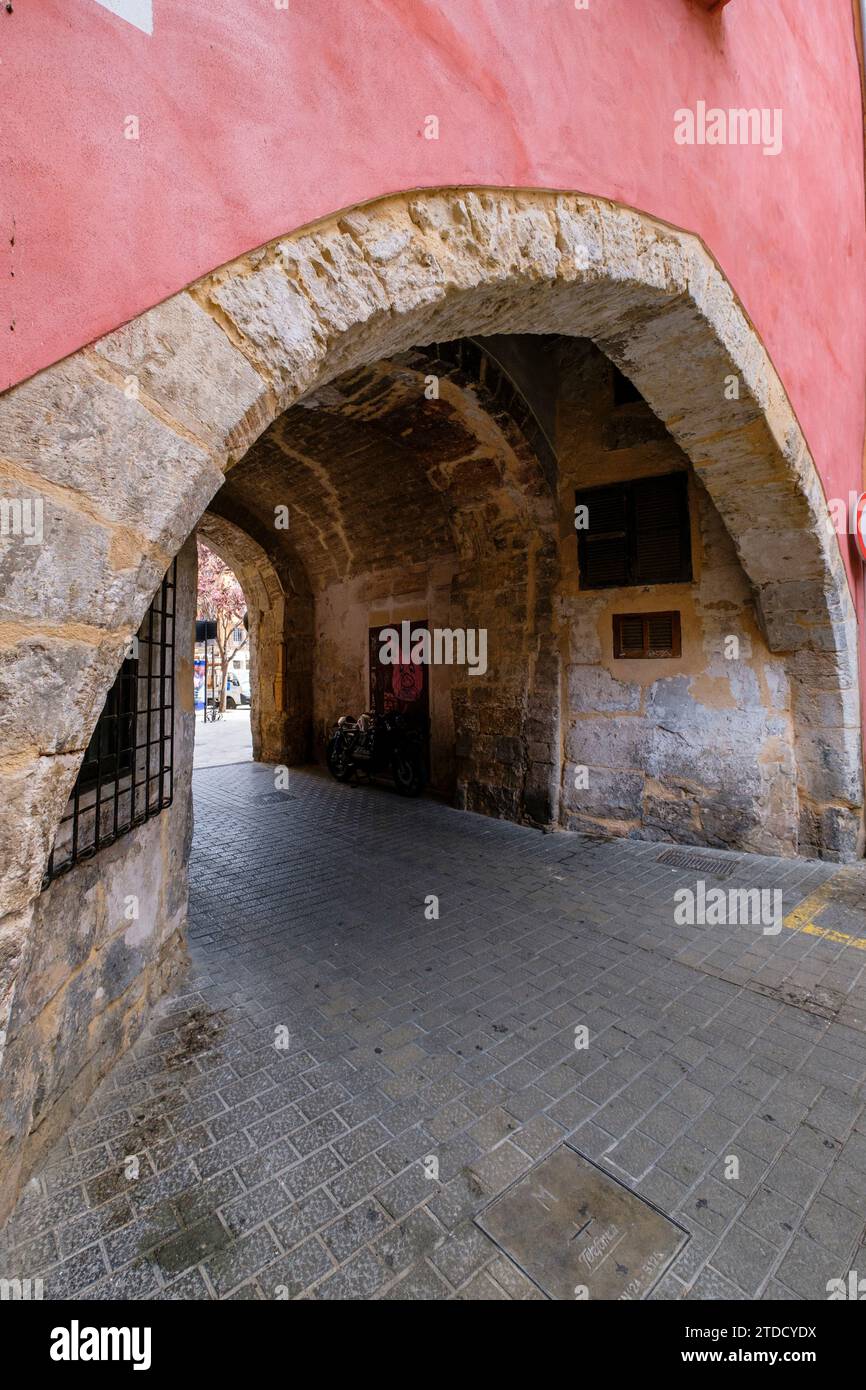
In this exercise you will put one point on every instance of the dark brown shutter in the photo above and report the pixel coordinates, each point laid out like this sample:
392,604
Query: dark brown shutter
638,533
631,636
644,635
603,548
661,544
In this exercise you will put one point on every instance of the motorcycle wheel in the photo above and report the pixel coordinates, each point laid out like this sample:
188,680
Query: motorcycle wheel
340,764
408,774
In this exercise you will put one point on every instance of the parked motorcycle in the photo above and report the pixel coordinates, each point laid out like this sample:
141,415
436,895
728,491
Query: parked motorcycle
379,743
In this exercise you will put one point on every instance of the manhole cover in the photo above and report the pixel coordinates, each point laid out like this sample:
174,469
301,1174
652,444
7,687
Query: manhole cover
264,797
578,1233
700,863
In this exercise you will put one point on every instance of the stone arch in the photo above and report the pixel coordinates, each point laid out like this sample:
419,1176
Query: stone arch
280,618
126,442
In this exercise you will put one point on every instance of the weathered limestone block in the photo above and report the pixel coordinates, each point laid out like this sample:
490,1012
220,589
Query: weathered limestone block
593,688
97,946
49,687
827,762
611,742
276,323
185,364
35,790
83,572
670,813
611,794
108,455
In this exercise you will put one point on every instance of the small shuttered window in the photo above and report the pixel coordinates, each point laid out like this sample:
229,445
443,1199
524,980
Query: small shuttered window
645,635
634,533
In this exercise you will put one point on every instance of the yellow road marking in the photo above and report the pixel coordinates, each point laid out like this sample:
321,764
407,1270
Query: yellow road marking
801,918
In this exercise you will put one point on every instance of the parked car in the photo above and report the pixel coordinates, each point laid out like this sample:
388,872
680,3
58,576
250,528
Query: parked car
237,690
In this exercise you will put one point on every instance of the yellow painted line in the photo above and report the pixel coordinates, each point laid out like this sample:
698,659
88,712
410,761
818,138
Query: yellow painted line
858,942
801,918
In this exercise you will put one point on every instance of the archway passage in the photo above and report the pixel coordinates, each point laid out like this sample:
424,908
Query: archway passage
301,359
407,491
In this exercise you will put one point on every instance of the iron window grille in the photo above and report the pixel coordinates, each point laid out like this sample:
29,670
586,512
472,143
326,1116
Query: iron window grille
126,776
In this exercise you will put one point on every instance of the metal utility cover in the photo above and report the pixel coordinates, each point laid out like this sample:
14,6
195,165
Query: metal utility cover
578,1233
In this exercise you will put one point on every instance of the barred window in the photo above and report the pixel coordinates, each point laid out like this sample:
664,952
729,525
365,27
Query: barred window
126,774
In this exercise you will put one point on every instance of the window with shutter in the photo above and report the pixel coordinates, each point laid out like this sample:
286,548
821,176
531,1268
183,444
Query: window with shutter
641,636
636,533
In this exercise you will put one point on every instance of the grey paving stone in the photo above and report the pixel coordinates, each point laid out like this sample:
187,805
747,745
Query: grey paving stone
191,1247
255,1206
208,1197
295,1272
361,1141
302,1218
404,1244
190,1287
71,1276
794,1179
711,1205
139,1280
463,1253
512,1280
141,1236
807,1268
773,1216
421,1284
834,1227
358,1228
635,1154
359,1279
312,1172
400,1195
355,1183
456,1043
241,1259
482,1288
713,1287
745,1259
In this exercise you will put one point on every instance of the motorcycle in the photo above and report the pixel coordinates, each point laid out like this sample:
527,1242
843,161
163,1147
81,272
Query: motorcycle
379,743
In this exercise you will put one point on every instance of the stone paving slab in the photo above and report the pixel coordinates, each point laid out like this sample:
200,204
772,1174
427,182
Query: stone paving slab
348,1080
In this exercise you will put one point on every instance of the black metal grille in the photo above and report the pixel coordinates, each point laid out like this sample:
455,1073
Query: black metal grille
126,775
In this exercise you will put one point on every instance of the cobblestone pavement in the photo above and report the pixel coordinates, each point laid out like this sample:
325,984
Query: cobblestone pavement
271,1172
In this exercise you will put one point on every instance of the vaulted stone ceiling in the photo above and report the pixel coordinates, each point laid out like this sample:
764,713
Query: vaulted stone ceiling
376,475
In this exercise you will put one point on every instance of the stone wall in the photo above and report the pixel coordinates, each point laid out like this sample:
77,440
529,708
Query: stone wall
698,748
91,972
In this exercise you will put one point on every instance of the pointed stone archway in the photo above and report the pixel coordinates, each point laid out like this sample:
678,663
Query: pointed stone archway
125,443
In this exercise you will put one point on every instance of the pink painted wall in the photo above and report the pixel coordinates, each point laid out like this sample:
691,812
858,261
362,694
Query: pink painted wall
256,120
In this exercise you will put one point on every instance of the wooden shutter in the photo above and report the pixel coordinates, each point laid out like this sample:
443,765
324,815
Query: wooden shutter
603,549
638,533
660,539
642,636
